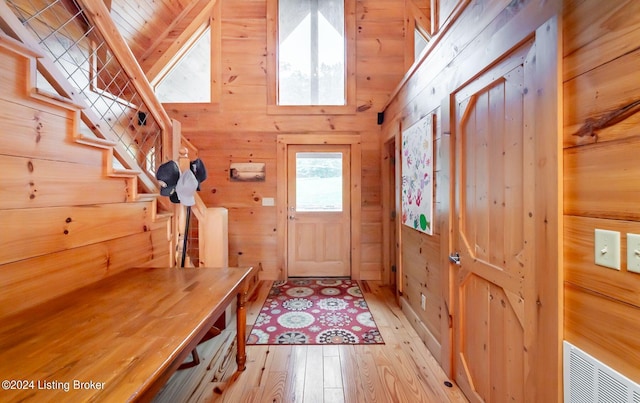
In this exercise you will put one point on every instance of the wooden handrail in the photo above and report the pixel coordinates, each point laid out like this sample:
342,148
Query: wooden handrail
99,15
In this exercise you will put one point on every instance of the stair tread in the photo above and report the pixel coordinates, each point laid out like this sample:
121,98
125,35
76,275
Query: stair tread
124,172
147,196
94,141
55,98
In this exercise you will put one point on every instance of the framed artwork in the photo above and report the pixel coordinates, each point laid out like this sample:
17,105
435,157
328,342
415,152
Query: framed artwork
417,175
247,172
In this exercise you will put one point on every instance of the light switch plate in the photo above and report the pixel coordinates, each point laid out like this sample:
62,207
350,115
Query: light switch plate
633,253
607,248
268,201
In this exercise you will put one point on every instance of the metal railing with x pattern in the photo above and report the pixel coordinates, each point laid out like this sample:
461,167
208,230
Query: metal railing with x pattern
80,52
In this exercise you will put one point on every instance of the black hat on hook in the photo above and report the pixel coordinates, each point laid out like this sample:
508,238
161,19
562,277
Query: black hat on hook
168,175
199,170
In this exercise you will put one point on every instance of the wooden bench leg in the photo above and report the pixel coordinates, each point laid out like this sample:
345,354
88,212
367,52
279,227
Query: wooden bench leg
195,360
241,314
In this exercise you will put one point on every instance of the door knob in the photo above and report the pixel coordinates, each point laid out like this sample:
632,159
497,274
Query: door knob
455,258
292,217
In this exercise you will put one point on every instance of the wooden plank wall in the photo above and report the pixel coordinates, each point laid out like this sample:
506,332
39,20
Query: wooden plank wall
601,176
239,129
65,224
601,98
423,257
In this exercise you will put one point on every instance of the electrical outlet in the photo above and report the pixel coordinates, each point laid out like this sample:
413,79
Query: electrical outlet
607,248
423,301
633,253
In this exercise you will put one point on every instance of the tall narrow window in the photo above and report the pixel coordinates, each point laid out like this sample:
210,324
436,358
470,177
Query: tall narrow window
311,52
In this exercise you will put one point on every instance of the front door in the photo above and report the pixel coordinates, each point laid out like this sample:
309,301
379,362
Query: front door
505,185
318,211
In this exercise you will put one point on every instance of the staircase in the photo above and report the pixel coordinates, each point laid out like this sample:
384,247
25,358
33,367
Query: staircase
72,67
94,71
78,61
69,217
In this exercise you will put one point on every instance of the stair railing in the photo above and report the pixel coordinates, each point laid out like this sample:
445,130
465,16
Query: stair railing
97,71
88,63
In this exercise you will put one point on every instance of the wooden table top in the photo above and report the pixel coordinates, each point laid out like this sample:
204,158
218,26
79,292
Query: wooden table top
114,340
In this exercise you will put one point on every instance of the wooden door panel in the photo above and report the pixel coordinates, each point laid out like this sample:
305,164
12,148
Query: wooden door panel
305,236
506,335
492,175
319,241
474,341
492,342
334,245
491,233
319,250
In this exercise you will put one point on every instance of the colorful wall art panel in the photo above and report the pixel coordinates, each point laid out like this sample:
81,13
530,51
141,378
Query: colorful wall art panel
417,175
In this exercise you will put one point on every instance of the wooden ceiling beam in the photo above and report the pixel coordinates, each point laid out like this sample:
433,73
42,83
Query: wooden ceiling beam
423,20
164,34
154,66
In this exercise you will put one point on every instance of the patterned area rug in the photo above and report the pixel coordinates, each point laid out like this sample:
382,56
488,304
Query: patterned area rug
306,311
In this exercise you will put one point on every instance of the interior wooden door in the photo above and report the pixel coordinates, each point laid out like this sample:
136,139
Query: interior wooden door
497,176
318,211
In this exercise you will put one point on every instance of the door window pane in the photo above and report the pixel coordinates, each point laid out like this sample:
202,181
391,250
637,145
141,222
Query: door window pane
318,181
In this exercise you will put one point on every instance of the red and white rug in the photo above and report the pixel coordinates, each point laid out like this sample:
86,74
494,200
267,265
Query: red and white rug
312,311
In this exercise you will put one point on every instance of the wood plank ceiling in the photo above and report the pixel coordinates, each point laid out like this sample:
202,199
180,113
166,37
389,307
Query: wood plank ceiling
151,27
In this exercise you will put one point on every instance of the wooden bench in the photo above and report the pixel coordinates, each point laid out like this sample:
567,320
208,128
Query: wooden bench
119,339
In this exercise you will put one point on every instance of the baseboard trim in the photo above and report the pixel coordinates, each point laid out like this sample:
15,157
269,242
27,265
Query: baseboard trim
423,331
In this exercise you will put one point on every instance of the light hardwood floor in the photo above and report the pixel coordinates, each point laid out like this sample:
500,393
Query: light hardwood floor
401,370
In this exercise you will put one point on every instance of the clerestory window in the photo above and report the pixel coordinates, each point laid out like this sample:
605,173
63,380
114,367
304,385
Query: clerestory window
310,54
311,62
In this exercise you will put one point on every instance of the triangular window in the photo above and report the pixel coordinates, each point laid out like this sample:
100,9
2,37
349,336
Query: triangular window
419,43
189,80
